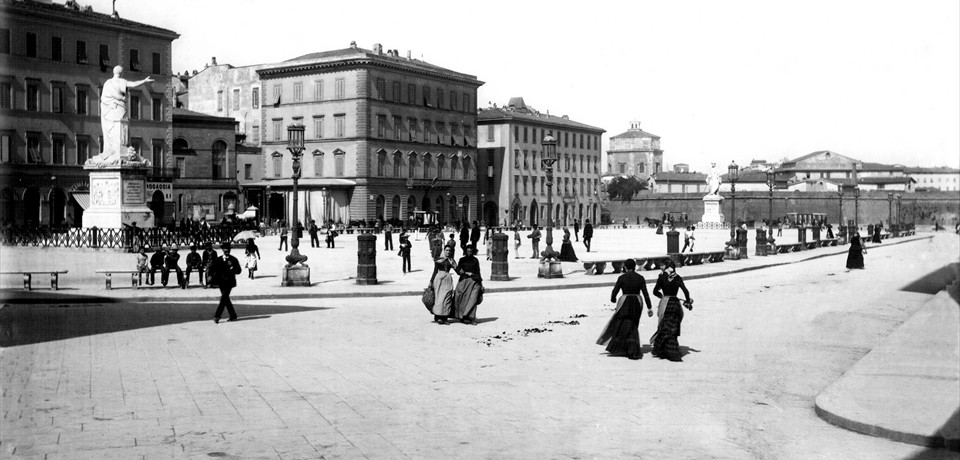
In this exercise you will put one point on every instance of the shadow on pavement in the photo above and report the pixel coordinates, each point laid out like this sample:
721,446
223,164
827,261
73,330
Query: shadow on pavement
485,320
80,316
935,281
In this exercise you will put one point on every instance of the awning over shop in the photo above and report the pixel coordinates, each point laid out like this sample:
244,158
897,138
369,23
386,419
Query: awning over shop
82,198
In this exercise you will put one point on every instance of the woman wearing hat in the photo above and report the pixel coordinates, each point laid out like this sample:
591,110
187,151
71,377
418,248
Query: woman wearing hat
620,335
469,292
669,313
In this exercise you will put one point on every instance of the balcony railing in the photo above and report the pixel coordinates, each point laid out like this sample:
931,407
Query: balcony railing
425,183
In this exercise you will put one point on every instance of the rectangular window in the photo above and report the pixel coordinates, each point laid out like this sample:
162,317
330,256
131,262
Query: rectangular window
157,108
466,103
56,99
318,90
33,96
566,140
277,161
318,165
381,126
440,95
134,107
256,134
31,44
82,52
276,94
155,60
397,127
5,41
318,127
298,92
255,97
56,49
381,89
525,185
339,165
490,133
396,92
134,60
533,188
340,125
516,134
277,130
236,99
83,149
516,159
59,155
411,93
219,101
248,171
6,95
181,167
427,131
339,88
525,134
82,101
441,132
412,129
34,152
525,164
426,96
581,146
104,55
453,101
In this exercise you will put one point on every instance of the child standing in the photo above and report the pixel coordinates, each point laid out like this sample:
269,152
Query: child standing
251,263
404,253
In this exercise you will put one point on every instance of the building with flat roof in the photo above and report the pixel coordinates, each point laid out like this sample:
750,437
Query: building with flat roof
513,180
940,178
635,152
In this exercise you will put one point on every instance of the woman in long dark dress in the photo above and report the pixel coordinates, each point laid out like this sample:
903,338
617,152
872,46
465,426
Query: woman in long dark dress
442,284
567,254
669,313
469,289
855,255
620,335
876,232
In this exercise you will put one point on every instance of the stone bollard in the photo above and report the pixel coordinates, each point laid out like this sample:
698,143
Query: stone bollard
894,231
870,230
673,242
366,259
500,268
816,233
802,237
742,242
761,239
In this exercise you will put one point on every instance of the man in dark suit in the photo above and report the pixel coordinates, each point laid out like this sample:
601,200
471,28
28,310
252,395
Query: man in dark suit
475,235
464,236
224,271
576,229
209,255
171,261
587,234
156,263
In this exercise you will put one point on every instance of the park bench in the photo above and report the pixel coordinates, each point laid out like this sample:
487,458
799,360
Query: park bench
829,242
135,280
785,248
28,277
811,244
884,236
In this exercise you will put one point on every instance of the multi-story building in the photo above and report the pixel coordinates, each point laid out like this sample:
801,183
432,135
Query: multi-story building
54,60
206,159
635,152
845,171
385,136
942,178
226,91
514,183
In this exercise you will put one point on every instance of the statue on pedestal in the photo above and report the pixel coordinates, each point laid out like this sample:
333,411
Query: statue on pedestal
113,122
713,180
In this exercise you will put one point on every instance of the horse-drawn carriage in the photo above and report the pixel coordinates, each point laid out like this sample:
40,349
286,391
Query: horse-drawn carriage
677,219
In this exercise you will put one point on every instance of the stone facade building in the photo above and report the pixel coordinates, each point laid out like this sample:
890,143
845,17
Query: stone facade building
513,181
635,152
54,60
205,184
942,178
386,136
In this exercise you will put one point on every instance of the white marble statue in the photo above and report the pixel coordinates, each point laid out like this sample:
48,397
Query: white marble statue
113,116
713,180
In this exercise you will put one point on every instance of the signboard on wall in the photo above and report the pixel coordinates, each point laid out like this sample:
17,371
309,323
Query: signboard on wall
133,192
203,211
165,187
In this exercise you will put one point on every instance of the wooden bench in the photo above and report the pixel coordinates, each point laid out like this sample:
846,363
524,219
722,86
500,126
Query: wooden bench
785,248
811,244
28,277
135,280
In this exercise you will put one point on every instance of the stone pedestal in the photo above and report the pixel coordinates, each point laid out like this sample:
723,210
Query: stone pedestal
673,242
761,241
295,275
366,259
742,242
550,269
500,268
118,197
816,232
802,238
712,215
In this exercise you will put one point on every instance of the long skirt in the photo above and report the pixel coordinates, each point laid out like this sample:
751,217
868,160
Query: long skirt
855,257
465,299
443,290
620,335
664,341
567,254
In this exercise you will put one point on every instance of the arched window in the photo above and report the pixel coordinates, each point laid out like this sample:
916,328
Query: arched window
395,208
381,163
397,164
219,153
412,165
455,172
427,166
467,168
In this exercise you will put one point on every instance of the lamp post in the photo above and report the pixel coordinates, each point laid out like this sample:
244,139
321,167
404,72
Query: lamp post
552,268
733,173
899,208
295,273
771,181
856,208
842,223
890,209
483,217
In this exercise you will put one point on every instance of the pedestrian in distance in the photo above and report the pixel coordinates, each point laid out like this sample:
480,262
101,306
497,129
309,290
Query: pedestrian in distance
464,236
314,239
225,270
576,229
194,263
156,263
669,313
452,244
475,236
469,291
567,254
388,237
283,239
587,234
252,248
171,262
404,252
516,242
143,266
251,262
876,233
442,284
535,241
435,240
331,238
621,335
209,255
856,252
488,242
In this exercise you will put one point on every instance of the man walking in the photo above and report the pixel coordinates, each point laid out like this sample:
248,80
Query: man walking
535,241
587,234
314,240
283,239
405,251
464,236
388,237
576,229
225,269
475,235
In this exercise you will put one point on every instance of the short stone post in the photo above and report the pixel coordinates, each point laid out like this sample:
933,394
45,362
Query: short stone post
802,237
742,242
870,230
816,233
366,259
673,242
894,231
94,237
761,240
500,268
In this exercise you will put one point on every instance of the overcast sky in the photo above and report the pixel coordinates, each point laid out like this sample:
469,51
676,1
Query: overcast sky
716,80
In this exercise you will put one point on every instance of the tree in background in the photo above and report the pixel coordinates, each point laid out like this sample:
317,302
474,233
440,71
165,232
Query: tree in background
625,187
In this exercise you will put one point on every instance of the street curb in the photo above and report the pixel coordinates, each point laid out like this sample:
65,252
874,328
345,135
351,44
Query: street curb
488,290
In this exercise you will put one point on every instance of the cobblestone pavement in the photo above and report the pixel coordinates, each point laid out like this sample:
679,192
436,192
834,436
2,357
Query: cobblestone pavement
373,377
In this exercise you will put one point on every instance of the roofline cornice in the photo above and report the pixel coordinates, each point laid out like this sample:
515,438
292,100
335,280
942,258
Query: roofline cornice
509,118
363,62
66,16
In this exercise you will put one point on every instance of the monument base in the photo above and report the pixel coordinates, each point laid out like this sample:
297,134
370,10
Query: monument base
550,269
296,275
712,217
117,198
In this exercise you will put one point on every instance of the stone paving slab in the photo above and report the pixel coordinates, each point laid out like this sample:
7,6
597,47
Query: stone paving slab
908,387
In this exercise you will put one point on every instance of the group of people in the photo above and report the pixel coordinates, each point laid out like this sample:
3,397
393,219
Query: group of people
458,302
167,260
567,253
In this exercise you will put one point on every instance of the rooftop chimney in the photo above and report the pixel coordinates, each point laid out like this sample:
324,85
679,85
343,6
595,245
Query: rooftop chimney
408,55
353,44
213,60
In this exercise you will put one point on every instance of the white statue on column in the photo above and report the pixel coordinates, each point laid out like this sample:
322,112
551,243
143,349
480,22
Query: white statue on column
114,123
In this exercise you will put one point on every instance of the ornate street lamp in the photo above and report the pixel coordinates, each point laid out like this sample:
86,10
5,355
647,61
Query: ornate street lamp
840,228
771,181
549,144
733,173
890,209
856,207
899,209
295,273
483,217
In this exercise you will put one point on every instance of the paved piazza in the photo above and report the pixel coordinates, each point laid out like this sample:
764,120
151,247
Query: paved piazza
354,377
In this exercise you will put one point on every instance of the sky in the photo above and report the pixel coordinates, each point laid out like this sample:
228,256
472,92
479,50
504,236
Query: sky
717,81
